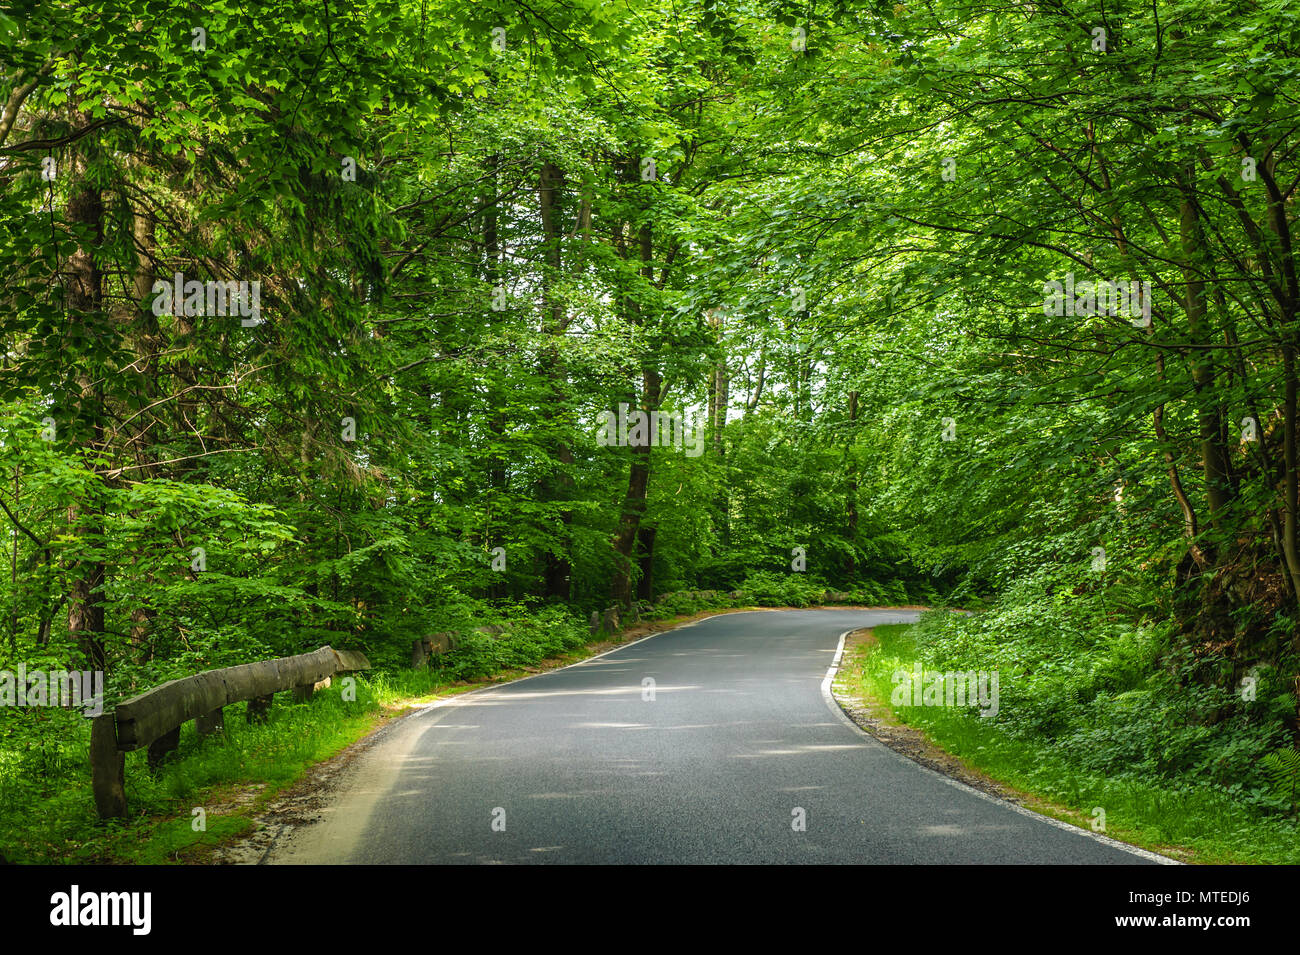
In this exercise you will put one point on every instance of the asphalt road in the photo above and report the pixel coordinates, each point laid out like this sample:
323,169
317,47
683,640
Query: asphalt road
578,766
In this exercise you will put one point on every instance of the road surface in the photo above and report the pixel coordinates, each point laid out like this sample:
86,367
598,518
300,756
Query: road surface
734,748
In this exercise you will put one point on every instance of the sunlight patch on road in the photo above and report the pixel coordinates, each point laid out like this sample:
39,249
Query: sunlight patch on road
576,794
951,830
497,699
799,751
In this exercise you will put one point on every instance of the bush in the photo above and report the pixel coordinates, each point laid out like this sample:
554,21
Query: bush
1108,694
526,642
766,589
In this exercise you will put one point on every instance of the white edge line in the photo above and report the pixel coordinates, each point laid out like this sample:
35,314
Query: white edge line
835,708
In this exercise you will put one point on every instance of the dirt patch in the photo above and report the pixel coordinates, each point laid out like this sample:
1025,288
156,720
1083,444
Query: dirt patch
296,805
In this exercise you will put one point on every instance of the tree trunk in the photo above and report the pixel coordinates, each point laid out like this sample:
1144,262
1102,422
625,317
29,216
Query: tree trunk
638,482
1214,457
646,555
634,504
557,484
496,472
85,305
851,494
719,396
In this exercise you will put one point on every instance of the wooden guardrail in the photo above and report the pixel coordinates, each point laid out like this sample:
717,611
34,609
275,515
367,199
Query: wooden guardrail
153,719
426,647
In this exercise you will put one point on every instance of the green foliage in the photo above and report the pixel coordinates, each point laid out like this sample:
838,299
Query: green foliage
527,642
1283,768
767,589
1104,692
464,259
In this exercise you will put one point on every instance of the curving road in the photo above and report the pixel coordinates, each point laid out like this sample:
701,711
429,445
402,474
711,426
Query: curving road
578,767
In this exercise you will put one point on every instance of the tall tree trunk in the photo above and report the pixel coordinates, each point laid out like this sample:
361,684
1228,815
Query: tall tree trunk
146,344
645,545
85,304
557,484
1280,226
719,398
851,494
1214,457
634,502
13,567
638,482
1291,482
496,472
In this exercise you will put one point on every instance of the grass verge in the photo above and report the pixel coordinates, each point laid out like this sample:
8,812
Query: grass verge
1194,824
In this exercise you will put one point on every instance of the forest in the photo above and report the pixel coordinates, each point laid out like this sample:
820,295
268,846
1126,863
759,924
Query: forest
348,322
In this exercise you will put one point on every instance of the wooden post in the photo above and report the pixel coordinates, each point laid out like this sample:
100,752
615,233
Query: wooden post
258,708
209,723
301,694
419,653
595,622
107,768
163,745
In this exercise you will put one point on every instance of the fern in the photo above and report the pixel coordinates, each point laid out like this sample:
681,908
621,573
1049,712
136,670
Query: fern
1283,769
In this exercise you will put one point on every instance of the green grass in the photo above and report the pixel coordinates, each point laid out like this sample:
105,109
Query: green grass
56,823
1158,813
